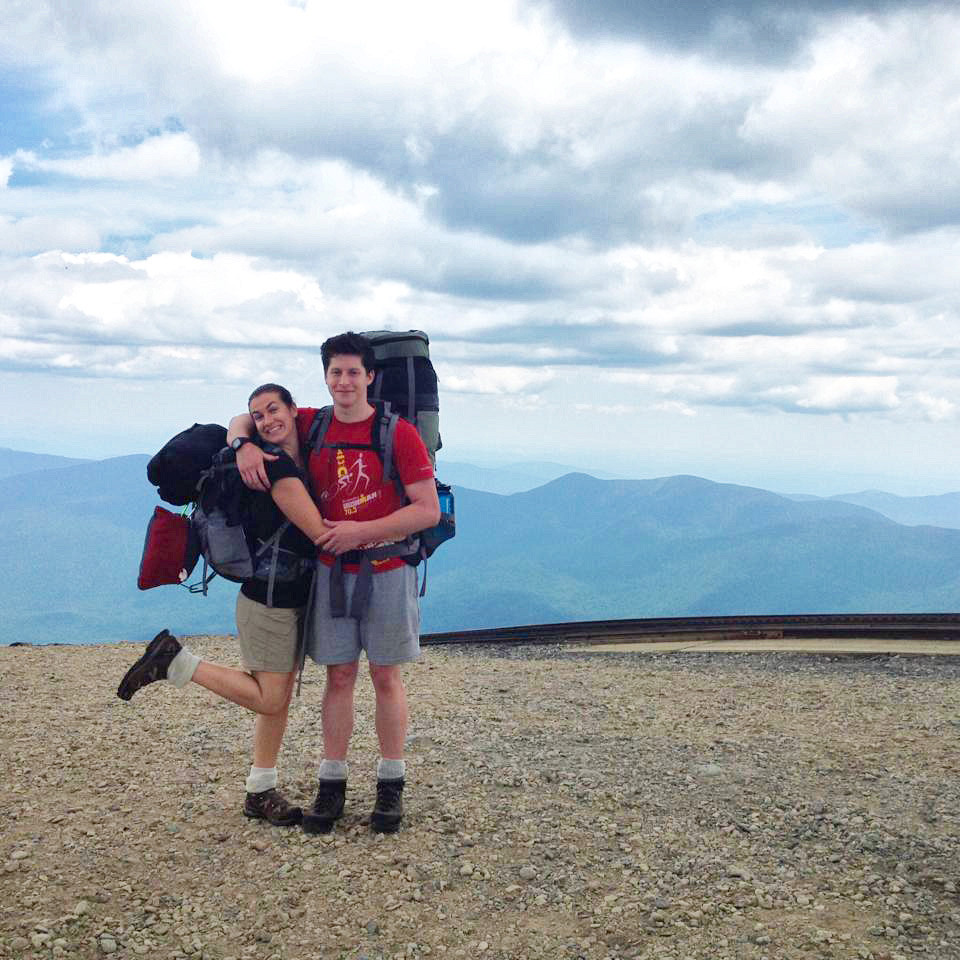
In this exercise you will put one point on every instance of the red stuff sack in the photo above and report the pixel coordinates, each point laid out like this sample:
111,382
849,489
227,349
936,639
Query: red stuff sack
170,550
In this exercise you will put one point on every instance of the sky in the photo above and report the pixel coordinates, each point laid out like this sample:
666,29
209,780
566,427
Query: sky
645,238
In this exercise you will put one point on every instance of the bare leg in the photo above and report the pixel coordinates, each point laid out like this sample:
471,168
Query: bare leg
262,692
338,710
268,728
391,713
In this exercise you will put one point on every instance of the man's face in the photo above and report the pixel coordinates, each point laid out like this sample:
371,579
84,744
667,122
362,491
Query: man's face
347,380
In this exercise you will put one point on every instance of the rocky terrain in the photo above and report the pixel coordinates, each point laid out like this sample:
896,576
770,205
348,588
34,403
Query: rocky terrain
560,805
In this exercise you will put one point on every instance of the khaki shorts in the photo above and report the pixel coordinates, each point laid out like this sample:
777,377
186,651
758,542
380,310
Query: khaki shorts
269,636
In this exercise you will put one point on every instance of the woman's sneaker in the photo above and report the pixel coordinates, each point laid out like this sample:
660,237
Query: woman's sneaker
327,808
388,810
151,666
272,806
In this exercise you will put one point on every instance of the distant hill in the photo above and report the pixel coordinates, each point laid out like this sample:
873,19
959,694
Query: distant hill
73,538
580,548
18,461
937,511
575,548
506,479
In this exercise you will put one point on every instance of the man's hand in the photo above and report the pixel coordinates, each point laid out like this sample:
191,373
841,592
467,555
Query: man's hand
341,536
250,463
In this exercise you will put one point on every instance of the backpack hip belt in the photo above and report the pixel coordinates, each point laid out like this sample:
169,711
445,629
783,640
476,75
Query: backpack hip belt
363,588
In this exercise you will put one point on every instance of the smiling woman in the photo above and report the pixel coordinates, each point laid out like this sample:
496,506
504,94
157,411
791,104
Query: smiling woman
269,619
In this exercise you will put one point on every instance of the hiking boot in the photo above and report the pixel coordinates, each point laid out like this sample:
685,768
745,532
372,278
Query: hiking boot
327,808
151,666
388,810
272,806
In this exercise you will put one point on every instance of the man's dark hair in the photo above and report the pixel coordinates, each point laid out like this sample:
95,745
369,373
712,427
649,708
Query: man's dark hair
347,344
283,393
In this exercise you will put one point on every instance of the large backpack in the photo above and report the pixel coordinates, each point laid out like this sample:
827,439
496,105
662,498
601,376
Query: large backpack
225,521
195,467
406,383
405,379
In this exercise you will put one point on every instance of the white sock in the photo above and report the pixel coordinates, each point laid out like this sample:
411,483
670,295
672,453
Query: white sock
182,666
333,769
261,778
390,769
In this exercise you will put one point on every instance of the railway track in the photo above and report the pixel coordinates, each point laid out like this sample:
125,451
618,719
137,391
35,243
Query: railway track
901,626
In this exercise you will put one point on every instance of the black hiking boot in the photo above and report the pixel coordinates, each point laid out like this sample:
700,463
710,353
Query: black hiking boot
388,810
151,666
327,808
272,806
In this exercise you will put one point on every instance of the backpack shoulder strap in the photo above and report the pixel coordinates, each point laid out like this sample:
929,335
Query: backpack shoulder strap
384,431
318,429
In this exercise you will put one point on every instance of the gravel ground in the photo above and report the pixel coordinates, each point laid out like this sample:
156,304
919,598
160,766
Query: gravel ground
559,805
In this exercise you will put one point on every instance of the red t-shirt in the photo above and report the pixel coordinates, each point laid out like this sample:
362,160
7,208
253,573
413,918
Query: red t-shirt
348,484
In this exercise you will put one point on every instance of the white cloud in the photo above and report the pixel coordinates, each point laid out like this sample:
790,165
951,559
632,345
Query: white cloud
172,155
494,381
841,394
29,235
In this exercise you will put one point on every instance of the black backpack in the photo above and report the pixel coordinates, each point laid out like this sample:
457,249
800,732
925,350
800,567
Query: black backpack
195,467
225,520
178,465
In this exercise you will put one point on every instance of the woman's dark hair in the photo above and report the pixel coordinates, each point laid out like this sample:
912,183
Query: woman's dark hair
283,393
347,344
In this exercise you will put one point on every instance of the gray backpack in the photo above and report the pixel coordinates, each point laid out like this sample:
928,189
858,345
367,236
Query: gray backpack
224,521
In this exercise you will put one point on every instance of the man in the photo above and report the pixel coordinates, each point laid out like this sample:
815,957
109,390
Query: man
361,525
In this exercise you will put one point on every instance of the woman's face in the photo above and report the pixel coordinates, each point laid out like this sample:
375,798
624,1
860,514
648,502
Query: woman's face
273,419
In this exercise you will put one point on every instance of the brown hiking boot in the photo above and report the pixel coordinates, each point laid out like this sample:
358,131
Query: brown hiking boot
327,808
151,666
388,810
271,805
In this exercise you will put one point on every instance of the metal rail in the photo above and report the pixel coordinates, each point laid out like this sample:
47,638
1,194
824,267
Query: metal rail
909,626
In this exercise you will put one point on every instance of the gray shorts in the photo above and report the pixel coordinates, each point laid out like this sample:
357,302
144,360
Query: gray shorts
269,636
389,631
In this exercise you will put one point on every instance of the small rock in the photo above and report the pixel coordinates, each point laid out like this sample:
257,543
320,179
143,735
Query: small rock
527,872
108,945
19,854
373,928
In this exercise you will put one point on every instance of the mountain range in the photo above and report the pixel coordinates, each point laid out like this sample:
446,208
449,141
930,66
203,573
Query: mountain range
574,548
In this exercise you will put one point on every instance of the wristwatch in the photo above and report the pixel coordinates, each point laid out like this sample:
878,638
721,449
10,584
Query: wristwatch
238,442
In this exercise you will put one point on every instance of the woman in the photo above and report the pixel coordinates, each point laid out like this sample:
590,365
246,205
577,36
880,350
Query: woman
268,635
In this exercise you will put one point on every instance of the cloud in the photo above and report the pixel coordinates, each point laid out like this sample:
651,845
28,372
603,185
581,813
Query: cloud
29,235
843,394
739,29
501,122
676,213
494,381
172,155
